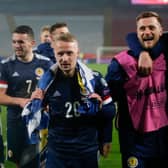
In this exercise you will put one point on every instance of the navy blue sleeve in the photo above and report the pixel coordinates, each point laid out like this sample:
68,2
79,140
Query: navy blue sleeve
107,112
136,47
115,78
105,131
134,44
46,50
108,108
164,40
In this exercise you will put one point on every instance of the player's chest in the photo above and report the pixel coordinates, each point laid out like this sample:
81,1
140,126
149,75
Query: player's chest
64,90
25,72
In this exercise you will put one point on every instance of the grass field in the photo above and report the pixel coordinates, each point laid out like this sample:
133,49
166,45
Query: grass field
113,160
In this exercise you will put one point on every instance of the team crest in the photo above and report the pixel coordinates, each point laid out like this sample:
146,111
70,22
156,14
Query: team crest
39,71
132,162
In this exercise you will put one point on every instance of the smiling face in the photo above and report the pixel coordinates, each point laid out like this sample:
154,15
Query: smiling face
45,36
149,31
22,45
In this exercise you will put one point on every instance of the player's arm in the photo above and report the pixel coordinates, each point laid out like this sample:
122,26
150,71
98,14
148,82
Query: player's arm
164,41
8,100
115,78
106,115
102,89
145,56
37,94
135,46
5,99
145,63
105,137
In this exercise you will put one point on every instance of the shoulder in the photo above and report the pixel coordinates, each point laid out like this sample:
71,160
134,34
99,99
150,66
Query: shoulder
43,46
123,58
44,49
99,78
8,59
41,57
122,55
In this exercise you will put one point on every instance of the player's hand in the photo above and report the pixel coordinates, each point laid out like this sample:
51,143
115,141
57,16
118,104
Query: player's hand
37,94
22,102
145,64
106,149
96,96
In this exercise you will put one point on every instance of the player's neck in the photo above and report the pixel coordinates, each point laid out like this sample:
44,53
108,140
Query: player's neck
26,58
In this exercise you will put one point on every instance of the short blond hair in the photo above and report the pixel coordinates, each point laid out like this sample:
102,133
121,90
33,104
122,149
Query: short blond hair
45,28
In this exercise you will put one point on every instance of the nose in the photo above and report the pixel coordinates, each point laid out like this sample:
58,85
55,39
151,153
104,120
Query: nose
65,57
147,30
16,44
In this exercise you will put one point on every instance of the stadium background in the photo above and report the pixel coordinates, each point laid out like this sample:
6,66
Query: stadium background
96,23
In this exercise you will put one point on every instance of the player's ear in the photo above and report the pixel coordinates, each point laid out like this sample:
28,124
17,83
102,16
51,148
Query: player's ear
161,30
77,48
78,51
33,42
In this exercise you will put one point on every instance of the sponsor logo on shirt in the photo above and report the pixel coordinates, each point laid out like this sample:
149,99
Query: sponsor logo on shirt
15,74
57,94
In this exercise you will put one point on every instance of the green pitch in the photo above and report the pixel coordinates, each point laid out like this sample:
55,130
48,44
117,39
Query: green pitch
112,161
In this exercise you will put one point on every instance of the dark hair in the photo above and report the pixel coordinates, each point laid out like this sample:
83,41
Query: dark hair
57,26
147,14
24,29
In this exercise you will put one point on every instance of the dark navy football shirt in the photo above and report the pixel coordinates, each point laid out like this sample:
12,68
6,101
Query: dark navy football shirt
20,79
72,134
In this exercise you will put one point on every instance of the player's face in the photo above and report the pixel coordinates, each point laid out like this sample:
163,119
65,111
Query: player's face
149,31
66,56
45,36
22,45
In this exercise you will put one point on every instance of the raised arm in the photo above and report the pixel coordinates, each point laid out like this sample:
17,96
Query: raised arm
145,64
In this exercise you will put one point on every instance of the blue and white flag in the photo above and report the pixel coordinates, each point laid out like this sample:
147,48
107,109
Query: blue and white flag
33,114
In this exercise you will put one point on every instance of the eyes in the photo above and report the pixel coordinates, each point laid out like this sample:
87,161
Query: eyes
151,28
61,53
18,41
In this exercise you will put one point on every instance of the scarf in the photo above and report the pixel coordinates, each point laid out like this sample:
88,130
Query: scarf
34,116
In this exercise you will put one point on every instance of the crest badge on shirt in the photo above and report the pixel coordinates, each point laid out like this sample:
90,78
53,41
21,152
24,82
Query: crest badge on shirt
132,162
39,71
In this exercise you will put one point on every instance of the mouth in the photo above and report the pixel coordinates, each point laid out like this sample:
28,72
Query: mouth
18,50
148,42
65,65
148,39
